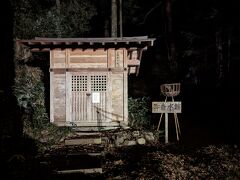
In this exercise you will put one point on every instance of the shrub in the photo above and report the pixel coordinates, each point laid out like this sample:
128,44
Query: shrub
139,112
29,91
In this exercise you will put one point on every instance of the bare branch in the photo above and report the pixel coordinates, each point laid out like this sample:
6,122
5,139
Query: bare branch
149,12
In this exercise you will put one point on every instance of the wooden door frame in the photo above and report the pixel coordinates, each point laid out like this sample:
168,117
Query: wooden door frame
69,120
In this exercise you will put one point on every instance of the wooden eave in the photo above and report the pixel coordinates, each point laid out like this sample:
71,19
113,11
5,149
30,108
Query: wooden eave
43,44
139,43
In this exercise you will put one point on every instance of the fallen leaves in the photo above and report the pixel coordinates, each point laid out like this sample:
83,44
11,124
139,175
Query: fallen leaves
175,162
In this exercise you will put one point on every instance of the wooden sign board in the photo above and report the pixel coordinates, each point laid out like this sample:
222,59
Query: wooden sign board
167,107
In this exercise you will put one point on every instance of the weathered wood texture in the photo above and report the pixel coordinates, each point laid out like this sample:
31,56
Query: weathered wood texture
117,97
100,58
59,100
89,77
40,43
58,59
88,58
77,74
134,60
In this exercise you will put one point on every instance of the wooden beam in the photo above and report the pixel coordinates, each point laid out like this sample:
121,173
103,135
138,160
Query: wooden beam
58,71
133,62
40,49
63,70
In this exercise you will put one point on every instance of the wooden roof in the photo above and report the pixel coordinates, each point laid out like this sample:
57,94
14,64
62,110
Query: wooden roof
50,43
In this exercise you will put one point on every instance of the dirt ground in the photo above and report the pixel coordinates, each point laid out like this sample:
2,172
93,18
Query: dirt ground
149,161
173,161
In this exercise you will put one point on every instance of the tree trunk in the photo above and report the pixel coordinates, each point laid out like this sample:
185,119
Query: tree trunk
106,28
114,19
170,37
58,19
229,52
120,18
58,5
220,63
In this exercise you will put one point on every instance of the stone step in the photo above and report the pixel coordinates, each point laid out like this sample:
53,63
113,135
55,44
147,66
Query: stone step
94,129
83,141
88,133
85,171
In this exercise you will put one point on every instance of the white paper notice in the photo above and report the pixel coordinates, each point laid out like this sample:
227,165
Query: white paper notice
96,97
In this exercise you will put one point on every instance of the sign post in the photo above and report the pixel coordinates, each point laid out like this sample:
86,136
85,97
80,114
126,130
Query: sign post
166,127
168,107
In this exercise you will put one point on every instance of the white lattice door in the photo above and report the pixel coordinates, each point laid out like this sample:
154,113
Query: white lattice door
89,98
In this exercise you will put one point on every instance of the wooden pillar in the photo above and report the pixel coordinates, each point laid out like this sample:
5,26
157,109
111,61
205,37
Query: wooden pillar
166,127
51,97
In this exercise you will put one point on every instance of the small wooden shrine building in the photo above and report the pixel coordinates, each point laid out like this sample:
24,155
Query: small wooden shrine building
89,78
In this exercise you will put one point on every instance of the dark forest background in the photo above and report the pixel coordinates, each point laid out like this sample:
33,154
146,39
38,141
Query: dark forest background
197,44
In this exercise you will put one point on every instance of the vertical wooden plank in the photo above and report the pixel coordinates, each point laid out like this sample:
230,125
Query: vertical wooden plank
119,58
51,97
103,106
80,107
73,96
74,101
89,99
67,60
109,95
166,127
51,59
139,56
122,57
81,101
103,115
125,58
68,97
109,58
125,86
59,98
125,97
85,108
113,56
77,106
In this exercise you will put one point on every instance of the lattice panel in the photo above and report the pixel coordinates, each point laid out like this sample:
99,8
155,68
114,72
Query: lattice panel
99,83
79,83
